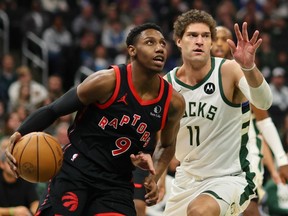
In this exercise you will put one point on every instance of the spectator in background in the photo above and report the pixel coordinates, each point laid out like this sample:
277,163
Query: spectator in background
12,122
22,112
55,6
55,87
170,12
137,18
18,197
250,8
35,20
7,76
37,92
279,106
199,5
88,42
24,98
2,118
101,59
61,133
111,14
282,61
225,14
59,41
125,10
113,38
251,14
267,56
86,21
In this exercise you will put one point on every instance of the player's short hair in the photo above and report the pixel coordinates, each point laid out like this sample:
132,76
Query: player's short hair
193,16
135,32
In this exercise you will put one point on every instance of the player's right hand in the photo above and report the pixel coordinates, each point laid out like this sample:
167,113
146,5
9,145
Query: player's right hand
10,159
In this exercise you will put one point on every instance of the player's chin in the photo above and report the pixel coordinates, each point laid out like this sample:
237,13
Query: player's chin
158,65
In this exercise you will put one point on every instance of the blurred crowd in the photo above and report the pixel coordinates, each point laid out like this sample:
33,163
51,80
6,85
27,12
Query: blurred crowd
93,34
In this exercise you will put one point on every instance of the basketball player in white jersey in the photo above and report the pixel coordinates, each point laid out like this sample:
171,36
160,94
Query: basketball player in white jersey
214,176
261,126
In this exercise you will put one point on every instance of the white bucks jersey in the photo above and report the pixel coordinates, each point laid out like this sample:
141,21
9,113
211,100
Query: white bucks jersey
213,133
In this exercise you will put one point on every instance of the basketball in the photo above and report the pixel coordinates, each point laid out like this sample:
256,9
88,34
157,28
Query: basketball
39,157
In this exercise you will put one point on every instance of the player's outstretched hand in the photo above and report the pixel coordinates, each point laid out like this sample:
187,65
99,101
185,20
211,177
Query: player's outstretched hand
10,159
152,193
143,161
244,52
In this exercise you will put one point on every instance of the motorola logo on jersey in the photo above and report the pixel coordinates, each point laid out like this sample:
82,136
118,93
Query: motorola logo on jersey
209,88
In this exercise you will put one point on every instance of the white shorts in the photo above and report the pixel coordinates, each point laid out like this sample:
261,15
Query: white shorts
232,193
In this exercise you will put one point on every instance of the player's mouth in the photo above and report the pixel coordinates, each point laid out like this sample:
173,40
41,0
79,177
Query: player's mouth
159,60
198,51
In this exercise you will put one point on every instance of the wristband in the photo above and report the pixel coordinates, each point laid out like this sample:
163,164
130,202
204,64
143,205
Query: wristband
11,211
248,69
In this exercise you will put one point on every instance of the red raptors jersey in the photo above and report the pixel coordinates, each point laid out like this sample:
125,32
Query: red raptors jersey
109,133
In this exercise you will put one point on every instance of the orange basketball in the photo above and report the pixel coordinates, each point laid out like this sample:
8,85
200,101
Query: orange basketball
39,157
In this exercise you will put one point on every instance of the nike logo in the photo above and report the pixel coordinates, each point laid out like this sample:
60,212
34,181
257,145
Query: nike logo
123,99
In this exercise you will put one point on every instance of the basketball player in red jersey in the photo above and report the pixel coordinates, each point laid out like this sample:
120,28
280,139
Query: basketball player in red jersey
120,111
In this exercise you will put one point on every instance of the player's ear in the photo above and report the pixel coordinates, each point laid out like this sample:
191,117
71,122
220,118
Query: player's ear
131,51
178,43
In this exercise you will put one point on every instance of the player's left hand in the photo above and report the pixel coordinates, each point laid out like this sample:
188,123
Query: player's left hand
10,159
244,52
283,171
152,193
143,161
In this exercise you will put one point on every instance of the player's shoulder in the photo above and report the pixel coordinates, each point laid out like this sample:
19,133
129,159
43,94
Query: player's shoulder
230,67
98,87
170,74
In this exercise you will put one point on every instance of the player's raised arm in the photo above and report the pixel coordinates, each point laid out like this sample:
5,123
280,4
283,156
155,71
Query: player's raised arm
255,87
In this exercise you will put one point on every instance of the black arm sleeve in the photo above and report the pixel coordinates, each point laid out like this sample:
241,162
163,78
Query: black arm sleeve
46,115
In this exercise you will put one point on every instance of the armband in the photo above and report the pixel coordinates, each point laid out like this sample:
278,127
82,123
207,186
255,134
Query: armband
260,97
270,134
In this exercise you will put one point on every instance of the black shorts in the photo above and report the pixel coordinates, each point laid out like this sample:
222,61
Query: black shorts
73,193
139,176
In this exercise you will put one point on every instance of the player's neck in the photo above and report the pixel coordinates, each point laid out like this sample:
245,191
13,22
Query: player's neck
146,84
194,73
